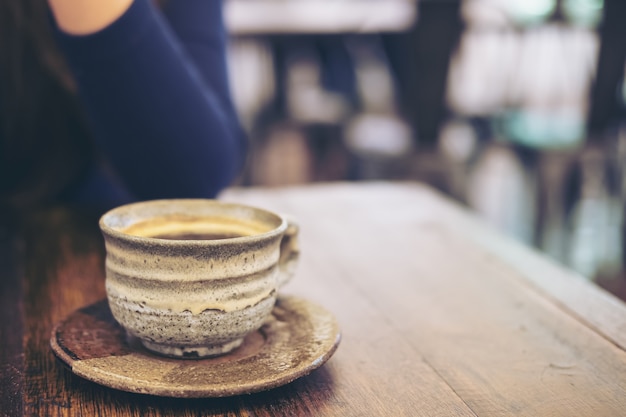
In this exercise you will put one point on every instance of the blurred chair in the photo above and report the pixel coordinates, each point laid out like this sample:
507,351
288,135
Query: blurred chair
570,156
315,91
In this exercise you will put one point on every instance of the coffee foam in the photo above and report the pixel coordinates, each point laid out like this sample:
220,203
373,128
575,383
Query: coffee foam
181,224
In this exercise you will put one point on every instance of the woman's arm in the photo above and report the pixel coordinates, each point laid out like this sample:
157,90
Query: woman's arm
204,41
161,110
85,17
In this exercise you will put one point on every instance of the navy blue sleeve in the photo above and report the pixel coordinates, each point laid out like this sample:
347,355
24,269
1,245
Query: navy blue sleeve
156,93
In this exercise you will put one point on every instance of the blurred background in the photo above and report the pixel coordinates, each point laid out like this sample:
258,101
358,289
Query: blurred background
514,108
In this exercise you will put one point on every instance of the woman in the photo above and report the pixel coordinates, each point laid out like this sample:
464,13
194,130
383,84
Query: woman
113,101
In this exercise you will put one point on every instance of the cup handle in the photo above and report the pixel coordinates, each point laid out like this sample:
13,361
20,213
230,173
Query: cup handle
289,252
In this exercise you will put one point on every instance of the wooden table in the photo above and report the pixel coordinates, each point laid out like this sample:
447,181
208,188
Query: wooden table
440,315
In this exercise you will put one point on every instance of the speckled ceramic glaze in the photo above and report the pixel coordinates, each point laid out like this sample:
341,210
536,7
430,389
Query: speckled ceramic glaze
295,339
195,297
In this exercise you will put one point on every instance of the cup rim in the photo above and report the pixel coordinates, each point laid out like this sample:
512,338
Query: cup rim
106,229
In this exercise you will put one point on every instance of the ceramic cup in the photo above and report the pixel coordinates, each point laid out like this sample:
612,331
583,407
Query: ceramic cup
191,278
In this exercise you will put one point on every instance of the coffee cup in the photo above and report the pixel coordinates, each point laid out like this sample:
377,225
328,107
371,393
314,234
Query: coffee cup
191,278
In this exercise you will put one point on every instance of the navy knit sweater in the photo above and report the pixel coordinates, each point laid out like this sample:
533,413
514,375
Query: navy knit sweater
155,88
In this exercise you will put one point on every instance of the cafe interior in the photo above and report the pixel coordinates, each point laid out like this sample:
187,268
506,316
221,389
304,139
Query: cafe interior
514,108
449,177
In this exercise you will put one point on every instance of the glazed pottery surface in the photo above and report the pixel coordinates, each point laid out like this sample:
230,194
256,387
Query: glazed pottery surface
192,278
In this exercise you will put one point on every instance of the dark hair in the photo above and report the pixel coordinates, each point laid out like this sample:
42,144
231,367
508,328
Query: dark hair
45,144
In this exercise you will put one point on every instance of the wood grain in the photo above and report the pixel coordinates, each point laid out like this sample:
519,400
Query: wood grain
413,203
582,298
63,260
440,316
496,337
501,347
11,323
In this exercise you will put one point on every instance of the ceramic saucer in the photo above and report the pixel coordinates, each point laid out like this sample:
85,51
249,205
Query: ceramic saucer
298,338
